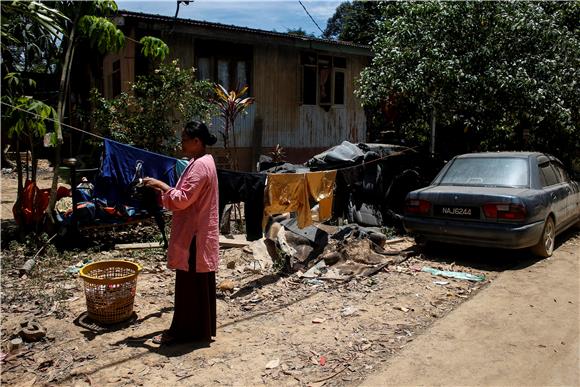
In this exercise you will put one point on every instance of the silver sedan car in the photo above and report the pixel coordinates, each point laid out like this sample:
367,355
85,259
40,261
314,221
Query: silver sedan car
508,200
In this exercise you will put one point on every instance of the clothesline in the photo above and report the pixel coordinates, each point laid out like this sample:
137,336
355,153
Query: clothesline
55,121
105,138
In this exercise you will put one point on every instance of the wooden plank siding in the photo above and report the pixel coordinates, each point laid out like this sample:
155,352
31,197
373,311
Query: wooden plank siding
276,83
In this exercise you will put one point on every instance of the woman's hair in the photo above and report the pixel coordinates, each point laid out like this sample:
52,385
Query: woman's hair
196,129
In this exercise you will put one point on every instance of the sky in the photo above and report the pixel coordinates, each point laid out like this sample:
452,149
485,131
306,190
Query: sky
279,15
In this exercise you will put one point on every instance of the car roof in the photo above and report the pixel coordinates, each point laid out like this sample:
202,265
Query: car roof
500,154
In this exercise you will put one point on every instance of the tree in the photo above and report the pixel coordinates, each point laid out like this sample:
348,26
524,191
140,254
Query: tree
145,117
354,21
299,32
485,72
29,30
88,22
42,37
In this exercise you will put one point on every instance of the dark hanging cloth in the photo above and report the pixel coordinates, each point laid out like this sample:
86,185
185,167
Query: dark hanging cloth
194,313
118,169
360,193
247,187
348,182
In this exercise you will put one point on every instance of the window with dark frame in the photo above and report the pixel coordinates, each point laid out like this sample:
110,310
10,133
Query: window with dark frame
323,79
224,63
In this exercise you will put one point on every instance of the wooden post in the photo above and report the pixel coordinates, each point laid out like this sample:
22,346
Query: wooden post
72,164
433,122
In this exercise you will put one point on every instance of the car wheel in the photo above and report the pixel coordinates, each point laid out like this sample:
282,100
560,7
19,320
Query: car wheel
422,243
545,246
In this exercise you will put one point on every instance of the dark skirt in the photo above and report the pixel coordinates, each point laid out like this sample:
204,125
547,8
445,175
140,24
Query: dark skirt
194,314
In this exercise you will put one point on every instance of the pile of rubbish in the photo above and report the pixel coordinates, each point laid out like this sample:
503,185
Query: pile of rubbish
321,252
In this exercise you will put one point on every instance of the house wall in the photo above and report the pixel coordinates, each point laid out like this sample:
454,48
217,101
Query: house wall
277,117
126,56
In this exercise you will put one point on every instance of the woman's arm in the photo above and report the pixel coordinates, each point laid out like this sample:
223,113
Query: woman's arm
191,184
157,184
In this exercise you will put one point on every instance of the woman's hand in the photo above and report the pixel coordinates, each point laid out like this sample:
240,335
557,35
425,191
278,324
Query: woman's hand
156,184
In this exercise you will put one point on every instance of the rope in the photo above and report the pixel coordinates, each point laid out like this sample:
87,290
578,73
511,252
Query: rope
104,138
55,121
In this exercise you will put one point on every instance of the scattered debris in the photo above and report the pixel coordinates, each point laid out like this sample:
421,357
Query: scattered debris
273,364
227,285
15,345
454,274
75,269
354,326
136,246
348,311
32,331
233,241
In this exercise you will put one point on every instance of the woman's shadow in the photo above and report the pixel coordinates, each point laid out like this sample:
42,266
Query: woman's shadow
92,329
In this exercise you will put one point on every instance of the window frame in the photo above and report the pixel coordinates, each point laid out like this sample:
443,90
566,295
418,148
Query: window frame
334,69
543,178
215,51
561,173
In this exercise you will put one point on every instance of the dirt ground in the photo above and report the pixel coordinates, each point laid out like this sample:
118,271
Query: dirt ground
272,329
523,330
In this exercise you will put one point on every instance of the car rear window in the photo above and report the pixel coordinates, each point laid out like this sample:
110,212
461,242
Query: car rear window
485,171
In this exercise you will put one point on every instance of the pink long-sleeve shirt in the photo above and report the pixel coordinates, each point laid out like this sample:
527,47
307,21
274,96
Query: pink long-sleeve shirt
194,203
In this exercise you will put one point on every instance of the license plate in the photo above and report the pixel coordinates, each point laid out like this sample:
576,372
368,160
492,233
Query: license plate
457,212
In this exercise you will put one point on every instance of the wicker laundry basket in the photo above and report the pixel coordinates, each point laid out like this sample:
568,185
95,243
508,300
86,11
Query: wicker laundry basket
110,289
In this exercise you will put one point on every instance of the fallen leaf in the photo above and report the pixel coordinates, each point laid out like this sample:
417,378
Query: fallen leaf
318,320
322,360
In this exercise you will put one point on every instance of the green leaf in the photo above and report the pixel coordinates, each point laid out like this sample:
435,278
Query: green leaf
154,47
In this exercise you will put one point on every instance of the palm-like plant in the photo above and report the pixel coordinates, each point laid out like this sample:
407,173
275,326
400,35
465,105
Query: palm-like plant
231,104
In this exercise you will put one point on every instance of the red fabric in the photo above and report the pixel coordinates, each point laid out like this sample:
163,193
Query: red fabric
34,202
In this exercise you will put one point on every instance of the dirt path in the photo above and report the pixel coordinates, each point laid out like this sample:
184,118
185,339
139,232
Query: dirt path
523,329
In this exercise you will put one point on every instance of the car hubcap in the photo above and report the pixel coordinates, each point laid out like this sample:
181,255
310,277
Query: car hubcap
549,237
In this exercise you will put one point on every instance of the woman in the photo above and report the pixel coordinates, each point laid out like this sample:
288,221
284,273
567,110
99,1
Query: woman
194,243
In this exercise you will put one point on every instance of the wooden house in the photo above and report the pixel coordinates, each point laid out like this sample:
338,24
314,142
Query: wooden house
303,86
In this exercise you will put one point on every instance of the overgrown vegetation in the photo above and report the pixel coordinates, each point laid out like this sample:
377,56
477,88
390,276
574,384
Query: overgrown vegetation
39,40
491,75
155,107
354,21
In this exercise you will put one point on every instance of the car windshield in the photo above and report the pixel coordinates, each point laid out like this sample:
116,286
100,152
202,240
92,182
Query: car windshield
485,171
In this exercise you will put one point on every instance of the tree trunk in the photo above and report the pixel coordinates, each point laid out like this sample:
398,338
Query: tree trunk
64,82
18,212
34,159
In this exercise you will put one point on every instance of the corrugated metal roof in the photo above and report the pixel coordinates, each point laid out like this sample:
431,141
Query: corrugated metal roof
233,28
